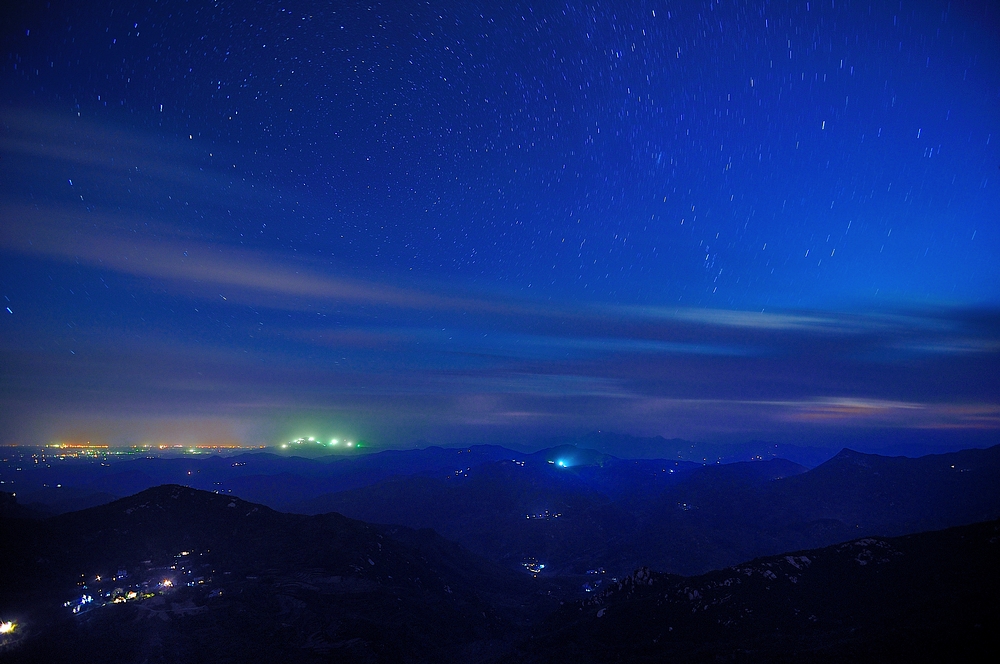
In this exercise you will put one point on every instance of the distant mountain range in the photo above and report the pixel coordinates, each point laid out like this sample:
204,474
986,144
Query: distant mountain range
281,481
53,486
574,509
625,446
600,511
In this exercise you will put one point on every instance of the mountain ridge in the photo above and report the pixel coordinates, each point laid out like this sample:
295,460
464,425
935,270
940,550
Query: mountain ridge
923,597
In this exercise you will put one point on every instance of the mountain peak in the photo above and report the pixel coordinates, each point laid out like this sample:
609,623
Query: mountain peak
852,456
176,501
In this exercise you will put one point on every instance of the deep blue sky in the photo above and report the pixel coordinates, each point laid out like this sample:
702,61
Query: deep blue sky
478,221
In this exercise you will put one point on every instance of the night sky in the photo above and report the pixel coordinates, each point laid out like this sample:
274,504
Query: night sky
499,221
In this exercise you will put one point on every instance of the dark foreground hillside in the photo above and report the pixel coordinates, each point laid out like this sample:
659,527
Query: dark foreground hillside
174,574
200,577
931,597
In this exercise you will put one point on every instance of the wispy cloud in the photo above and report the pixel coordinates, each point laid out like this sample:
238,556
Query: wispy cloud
206,270
842,411
222,272
741,319
390,351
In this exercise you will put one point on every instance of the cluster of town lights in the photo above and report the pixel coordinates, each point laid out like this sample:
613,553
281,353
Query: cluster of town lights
88,449
7,627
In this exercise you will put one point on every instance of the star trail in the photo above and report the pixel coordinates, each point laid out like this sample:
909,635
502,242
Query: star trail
459,221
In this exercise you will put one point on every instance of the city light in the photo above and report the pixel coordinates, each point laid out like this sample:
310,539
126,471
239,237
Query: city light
7,627
308,441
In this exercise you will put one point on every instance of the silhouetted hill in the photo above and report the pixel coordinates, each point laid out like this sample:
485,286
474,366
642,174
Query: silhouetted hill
618,514
700,525
571,509
507,511
927,597
248,584
895,495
